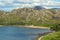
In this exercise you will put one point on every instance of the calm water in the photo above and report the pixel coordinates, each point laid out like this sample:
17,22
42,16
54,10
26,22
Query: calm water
19,33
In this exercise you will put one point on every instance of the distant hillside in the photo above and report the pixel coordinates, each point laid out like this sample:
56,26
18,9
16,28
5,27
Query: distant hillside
30,16
56,8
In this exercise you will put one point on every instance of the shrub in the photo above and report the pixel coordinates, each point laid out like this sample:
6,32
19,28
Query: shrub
56,27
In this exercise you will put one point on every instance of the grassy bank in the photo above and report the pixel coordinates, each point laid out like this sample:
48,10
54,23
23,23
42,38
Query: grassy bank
52,36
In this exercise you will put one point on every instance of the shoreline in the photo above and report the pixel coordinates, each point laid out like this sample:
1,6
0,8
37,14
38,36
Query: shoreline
27,26
40,37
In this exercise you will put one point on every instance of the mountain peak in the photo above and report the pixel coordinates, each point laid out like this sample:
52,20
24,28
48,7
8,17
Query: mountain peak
38,7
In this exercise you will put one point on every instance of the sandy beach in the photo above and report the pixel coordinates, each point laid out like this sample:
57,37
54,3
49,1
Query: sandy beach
37,27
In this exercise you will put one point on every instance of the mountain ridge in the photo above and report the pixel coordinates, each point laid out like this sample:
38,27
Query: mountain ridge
30,16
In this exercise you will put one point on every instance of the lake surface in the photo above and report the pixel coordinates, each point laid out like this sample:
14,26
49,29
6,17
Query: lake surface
20,33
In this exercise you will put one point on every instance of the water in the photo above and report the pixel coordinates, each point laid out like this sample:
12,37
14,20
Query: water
20,33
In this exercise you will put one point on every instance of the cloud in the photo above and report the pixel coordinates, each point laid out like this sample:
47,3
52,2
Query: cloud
51,3
22,5
33,2
44,3
28,3
6,1
24,0
2,4
9,1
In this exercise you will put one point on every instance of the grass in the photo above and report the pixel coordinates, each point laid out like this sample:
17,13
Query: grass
52,36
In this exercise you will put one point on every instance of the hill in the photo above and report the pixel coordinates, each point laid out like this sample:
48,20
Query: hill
30,16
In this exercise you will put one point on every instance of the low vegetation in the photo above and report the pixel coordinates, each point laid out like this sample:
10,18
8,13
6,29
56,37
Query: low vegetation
53,36
56,27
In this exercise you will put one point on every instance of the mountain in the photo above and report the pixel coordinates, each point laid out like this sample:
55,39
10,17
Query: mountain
30,16
38,7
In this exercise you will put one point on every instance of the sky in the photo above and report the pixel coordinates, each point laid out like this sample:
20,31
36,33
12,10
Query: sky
9,5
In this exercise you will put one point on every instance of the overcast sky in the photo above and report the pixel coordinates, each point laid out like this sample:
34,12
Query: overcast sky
14,4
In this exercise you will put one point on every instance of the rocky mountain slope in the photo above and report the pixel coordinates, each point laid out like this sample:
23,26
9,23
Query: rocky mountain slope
30,16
